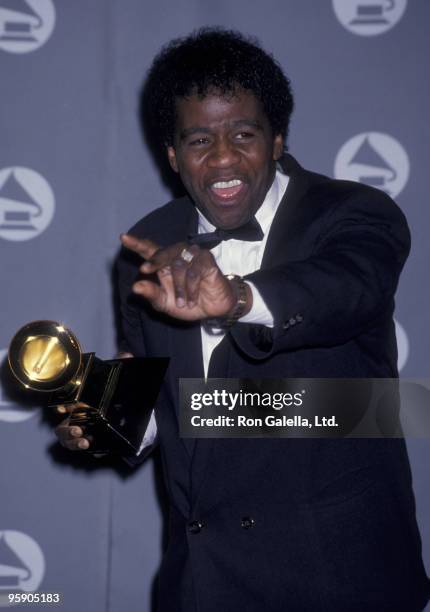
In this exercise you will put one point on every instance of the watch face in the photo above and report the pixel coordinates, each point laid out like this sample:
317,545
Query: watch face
241,299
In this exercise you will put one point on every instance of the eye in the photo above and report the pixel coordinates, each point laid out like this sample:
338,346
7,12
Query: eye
244,136
203,140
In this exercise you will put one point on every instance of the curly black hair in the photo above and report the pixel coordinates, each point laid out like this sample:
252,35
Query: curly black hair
215,59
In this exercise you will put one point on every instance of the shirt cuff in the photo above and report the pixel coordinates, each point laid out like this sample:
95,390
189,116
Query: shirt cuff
259,312
150,434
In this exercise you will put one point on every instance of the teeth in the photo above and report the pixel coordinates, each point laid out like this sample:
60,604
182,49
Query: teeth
225,184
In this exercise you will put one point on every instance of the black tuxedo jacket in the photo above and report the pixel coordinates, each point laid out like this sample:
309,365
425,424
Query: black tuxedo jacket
333,521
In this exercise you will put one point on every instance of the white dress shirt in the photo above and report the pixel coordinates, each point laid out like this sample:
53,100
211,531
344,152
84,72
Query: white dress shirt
241,258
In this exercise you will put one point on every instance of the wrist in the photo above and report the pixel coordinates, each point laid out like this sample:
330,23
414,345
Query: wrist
242,303
242,298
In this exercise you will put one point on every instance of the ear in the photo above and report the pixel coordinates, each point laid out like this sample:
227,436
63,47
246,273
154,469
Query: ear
278,147
171,155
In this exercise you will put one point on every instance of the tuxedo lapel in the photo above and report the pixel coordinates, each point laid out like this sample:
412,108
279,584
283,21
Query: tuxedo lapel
286,227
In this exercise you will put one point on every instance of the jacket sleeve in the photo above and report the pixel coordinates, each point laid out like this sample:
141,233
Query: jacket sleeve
341,289
131,338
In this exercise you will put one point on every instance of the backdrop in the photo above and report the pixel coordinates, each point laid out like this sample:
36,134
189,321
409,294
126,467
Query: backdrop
74,173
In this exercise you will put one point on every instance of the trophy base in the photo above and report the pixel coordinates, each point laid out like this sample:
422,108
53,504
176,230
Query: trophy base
114,401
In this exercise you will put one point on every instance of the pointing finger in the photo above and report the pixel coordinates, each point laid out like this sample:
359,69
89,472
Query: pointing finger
145,248
165,257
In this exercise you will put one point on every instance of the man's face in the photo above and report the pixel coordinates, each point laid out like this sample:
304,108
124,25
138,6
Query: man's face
225,153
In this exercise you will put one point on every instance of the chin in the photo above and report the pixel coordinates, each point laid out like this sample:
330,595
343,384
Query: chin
230,222
229,218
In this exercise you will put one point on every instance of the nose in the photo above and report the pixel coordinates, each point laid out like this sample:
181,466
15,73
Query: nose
223,154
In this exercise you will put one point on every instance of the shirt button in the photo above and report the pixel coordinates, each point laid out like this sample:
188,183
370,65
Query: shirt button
247,522
292,321
195,526
299,318
286,325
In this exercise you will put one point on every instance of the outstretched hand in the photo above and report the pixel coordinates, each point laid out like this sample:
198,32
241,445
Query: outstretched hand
191,285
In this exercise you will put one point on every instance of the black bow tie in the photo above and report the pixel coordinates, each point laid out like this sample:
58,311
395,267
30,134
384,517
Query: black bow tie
250,232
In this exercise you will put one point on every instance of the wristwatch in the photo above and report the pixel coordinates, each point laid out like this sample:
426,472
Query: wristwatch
239,288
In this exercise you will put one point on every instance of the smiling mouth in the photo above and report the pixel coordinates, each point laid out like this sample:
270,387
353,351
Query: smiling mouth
227,190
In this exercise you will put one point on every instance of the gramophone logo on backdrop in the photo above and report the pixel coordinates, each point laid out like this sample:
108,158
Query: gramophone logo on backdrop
27,204
369,17
22,564
375,159
25,25
10,413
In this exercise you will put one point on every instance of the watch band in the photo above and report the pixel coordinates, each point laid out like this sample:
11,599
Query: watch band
241,299
239,288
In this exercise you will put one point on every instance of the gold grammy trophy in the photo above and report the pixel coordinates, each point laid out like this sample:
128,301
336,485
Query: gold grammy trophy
112,399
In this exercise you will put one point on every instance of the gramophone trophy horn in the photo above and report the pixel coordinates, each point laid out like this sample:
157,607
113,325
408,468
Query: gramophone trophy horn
111,400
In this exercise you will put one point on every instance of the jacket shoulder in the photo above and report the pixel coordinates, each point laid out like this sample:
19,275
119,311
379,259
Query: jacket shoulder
164,225
331,198
162,222
338,191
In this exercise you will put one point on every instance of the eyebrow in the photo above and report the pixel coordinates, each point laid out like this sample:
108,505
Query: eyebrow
194,130
204,130
248,123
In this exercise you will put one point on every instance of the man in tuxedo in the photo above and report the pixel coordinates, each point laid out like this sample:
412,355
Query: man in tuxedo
266,270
